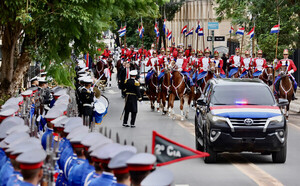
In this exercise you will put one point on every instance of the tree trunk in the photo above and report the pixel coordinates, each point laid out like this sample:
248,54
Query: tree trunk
9,43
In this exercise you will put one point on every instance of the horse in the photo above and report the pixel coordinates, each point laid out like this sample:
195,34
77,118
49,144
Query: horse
267,75
286,88
200,86
118,66
163,95
178,89
110,64
100,74
152,91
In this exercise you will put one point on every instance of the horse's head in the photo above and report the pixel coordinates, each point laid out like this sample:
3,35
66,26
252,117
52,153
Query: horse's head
283,70
212,67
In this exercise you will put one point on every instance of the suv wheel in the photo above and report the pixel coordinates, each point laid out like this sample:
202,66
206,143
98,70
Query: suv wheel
197,135
280,156
212,158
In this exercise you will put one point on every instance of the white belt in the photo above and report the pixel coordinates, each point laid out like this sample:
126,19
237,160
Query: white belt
88,105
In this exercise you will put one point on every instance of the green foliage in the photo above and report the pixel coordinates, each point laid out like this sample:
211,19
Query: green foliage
264,14
53,29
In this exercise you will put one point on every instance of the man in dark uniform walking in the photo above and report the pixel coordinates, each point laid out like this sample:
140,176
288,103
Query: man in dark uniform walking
87,99
132,91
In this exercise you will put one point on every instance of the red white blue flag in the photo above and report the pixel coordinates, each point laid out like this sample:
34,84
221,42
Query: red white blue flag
231,30
251,33
275,29
190,32
240,31
200,33
156,30
122,31
164,26
184,29
169,35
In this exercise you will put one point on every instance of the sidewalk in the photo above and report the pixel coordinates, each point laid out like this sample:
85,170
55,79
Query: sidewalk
295,104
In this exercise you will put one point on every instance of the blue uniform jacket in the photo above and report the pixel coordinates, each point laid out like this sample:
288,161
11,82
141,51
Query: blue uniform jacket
76,172
44,137
15,179
6,171
106,179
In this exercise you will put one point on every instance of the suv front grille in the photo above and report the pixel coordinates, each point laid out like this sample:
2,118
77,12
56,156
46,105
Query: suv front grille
241,121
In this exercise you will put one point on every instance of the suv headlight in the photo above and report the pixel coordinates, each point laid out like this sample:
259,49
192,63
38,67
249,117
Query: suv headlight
276,119
220,118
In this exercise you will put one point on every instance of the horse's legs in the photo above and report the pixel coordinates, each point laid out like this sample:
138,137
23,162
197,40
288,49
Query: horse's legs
152,102
163,103
158,100
171,104
181,106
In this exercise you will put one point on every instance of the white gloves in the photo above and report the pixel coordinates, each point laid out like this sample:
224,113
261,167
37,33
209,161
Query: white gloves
291,71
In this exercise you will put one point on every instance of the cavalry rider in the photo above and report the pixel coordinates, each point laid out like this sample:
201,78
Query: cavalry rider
142,51
131,54
106,53
218,63
123,52
236,62
163,61
203,66
153,63
175,51
172,48
192,59
259,64
247,65
184,67
291,68
197,64
150,52
187,52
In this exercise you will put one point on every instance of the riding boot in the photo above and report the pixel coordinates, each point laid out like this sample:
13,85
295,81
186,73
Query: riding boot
294,96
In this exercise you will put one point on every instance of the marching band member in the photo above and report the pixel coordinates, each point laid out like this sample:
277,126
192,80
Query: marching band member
259,64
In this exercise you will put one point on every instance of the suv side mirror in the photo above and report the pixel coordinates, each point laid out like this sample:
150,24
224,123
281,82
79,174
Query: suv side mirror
201,102
282,102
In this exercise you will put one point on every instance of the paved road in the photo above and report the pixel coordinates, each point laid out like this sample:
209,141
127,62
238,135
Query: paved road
231,169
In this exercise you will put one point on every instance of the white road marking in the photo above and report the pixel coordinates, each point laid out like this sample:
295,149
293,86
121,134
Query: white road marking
294,125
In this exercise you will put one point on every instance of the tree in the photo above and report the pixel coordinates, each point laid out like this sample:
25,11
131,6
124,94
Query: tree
43,30
265,14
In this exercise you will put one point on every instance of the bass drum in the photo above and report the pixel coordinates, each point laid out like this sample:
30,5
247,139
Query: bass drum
104,101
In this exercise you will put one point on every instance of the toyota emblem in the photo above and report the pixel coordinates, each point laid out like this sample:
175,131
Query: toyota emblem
248,121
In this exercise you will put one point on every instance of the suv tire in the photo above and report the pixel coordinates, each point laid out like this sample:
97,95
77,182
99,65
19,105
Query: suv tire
197,135
212,158
280,156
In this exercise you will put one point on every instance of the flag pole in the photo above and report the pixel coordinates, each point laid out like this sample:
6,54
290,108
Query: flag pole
277,39
197,40
253,42
243,41
125,38
142,32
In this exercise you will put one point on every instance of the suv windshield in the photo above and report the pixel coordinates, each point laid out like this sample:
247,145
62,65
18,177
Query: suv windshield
242,95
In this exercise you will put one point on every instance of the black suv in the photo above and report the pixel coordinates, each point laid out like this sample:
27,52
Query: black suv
236,115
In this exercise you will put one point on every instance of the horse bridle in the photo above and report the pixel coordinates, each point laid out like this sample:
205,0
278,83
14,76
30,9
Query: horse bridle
269,75
98,71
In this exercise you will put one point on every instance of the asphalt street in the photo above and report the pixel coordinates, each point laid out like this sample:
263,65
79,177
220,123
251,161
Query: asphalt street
231,169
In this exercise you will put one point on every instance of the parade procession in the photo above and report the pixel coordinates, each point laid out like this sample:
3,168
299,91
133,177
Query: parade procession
149,93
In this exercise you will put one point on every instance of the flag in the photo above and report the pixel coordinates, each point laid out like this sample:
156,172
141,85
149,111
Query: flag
275,29
164,26
168,32
168,151
141,31
231,30
169,35
240,31
251,33
156,30
198,28
200,33
190,32
122,31
184,29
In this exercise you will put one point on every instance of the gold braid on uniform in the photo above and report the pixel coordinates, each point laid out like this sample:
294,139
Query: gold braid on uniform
136,83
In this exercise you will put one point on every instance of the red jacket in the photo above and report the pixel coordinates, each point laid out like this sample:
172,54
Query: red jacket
106,53
153,62
175,53
259,64
290,63
234,63
187,53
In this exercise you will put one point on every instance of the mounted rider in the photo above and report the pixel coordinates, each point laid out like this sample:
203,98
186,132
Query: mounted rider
187,52
248,63
183,66
192,59
291,68
153,63
123,52
150,52
203,65
218,63
197,64
236,62
172,48
163,61
259,64
106,53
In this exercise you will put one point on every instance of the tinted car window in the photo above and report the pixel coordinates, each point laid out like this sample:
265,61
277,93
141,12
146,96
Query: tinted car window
242,94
